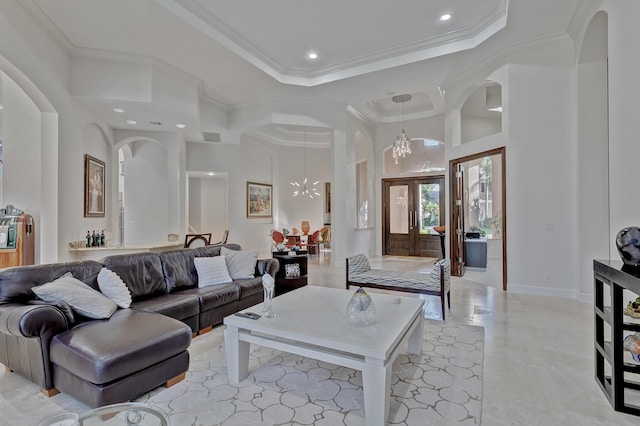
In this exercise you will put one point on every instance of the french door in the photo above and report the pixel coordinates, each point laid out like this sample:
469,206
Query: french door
457,216
411,208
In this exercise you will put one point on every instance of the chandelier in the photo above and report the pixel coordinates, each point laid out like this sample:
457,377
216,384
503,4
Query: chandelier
305,188
402,145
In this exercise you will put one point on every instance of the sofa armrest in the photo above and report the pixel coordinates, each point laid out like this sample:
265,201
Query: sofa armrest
267,266
32,320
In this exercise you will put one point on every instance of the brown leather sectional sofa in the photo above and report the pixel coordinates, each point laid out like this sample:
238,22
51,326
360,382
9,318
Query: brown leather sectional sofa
102,362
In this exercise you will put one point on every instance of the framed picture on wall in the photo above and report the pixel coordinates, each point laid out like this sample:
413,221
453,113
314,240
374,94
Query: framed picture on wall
93,187
259,197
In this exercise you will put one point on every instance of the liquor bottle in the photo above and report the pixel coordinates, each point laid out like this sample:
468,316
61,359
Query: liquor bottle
88,238
93,238
102,238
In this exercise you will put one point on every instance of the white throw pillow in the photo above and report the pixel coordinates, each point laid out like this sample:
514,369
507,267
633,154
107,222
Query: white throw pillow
241,264
212,271
83,299
112,286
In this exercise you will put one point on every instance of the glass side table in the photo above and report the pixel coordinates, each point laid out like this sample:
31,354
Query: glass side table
127,414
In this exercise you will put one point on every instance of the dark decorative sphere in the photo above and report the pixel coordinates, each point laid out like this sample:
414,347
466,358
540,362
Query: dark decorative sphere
628,243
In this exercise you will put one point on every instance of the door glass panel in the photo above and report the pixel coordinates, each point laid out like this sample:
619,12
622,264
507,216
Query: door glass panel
429,207
399,209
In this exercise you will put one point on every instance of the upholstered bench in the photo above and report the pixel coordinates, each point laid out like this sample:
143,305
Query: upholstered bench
115,360
437,282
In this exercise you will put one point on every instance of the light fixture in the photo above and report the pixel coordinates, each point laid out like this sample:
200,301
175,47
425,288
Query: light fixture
306,188
118,110
312,55
211,174
131,122
402,145
181,126
445,17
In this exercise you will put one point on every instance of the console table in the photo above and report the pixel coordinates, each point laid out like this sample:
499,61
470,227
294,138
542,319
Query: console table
616,373
287,282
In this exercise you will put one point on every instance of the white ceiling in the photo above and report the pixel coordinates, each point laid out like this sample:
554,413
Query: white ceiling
241,51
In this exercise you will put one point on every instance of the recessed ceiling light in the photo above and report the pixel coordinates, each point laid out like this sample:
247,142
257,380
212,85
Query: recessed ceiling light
1,107
181,126
211,174
312,55
118,110
445,17
131,122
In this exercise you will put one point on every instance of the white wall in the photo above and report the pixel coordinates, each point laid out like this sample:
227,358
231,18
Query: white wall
146,199
98,147
22,154
541,181
539,134
624,102
594,232
194,200
251,160
214,200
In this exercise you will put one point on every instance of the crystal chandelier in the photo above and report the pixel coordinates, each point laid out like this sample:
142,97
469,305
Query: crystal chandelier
305,188
402,145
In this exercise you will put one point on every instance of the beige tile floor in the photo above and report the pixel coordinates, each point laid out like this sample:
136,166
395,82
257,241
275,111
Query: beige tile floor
538,365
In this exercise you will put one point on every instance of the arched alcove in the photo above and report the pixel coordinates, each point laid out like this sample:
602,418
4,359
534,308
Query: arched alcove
142,191
481,113
29,140
594,235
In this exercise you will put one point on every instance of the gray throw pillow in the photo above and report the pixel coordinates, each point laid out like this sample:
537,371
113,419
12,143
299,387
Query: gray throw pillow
241,264
112,286
211,271
83,299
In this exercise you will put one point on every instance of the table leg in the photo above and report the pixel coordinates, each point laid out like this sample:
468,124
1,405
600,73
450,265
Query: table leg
417,337
237,356
376,383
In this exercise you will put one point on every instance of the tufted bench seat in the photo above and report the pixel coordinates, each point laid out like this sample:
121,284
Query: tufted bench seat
436,283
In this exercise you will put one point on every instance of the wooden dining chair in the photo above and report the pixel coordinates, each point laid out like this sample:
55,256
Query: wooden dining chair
197,240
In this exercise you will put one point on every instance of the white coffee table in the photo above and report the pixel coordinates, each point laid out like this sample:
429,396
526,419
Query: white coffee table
312,322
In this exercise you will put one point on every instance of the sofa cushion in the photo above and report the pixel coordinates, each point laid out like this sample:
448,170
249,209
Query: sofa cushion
112,286
179,270
212,271
175,305
16,283
83,299
249,287
130,341
215,296
141,272
241,264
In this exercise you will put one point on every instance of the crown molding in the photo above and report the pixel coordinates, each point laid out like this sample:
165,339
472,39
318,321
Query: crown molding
428,48
502,57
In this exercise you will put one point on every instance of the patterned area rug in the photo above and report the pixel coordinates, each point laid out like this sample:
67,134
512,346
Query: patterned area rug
441,387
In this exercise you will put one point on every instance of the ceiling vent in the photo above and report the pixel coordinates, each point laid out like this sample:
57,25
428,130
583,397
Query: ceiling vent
211,137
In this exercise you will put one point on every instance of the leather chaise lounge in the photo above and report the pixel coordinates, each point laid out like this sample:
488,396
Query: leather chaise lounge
137,349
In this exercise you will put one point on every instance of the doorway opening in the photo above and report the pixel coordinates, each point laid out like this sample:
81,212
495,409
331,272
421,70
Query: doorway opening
411,208
478,217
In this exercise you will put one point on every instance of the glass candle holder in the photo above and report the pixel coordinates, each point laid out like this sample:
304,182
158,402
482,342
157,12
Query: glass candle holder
267,310
361,310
